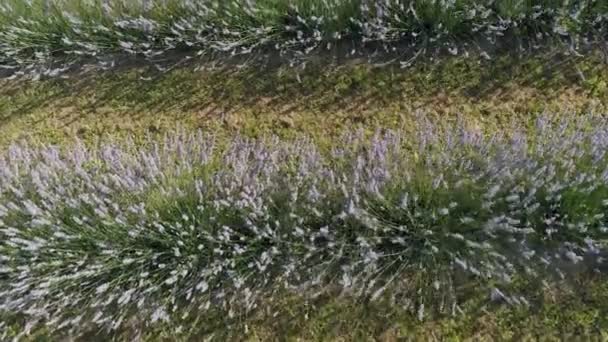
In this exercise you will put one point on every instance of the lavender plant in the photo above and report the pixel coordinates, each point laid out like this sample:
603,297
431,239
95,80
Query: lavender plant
48,37
109,237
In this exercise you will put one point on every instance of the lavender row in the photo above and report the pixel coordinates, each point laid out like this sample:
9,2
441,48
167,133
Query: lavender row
34,32
99,237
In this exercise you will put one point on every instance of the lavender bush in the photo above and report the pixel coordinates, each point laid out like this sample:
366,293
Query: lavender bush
104,237
34,33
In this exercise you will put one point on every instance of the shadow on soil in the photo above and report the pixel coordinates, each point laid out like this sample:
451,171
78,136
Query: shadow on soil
324,88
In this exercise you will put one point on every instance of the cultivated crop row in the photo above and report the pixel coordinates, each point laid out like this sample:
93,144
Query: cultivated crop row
36,32
105,236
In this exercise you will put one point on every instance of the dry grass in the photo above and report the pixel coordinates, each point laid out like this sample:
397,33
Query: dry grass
321,101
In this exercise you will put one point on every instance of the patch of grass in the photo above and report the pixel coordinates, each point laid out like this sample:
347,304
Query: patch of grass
322,102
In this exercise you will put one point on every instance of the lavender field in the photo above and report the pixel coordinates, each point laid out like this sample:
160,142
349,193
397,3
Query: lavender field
287,170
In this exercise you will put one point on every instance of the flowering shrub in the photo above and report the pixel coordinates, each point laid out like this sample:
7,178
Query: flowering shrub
97,237
33,32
